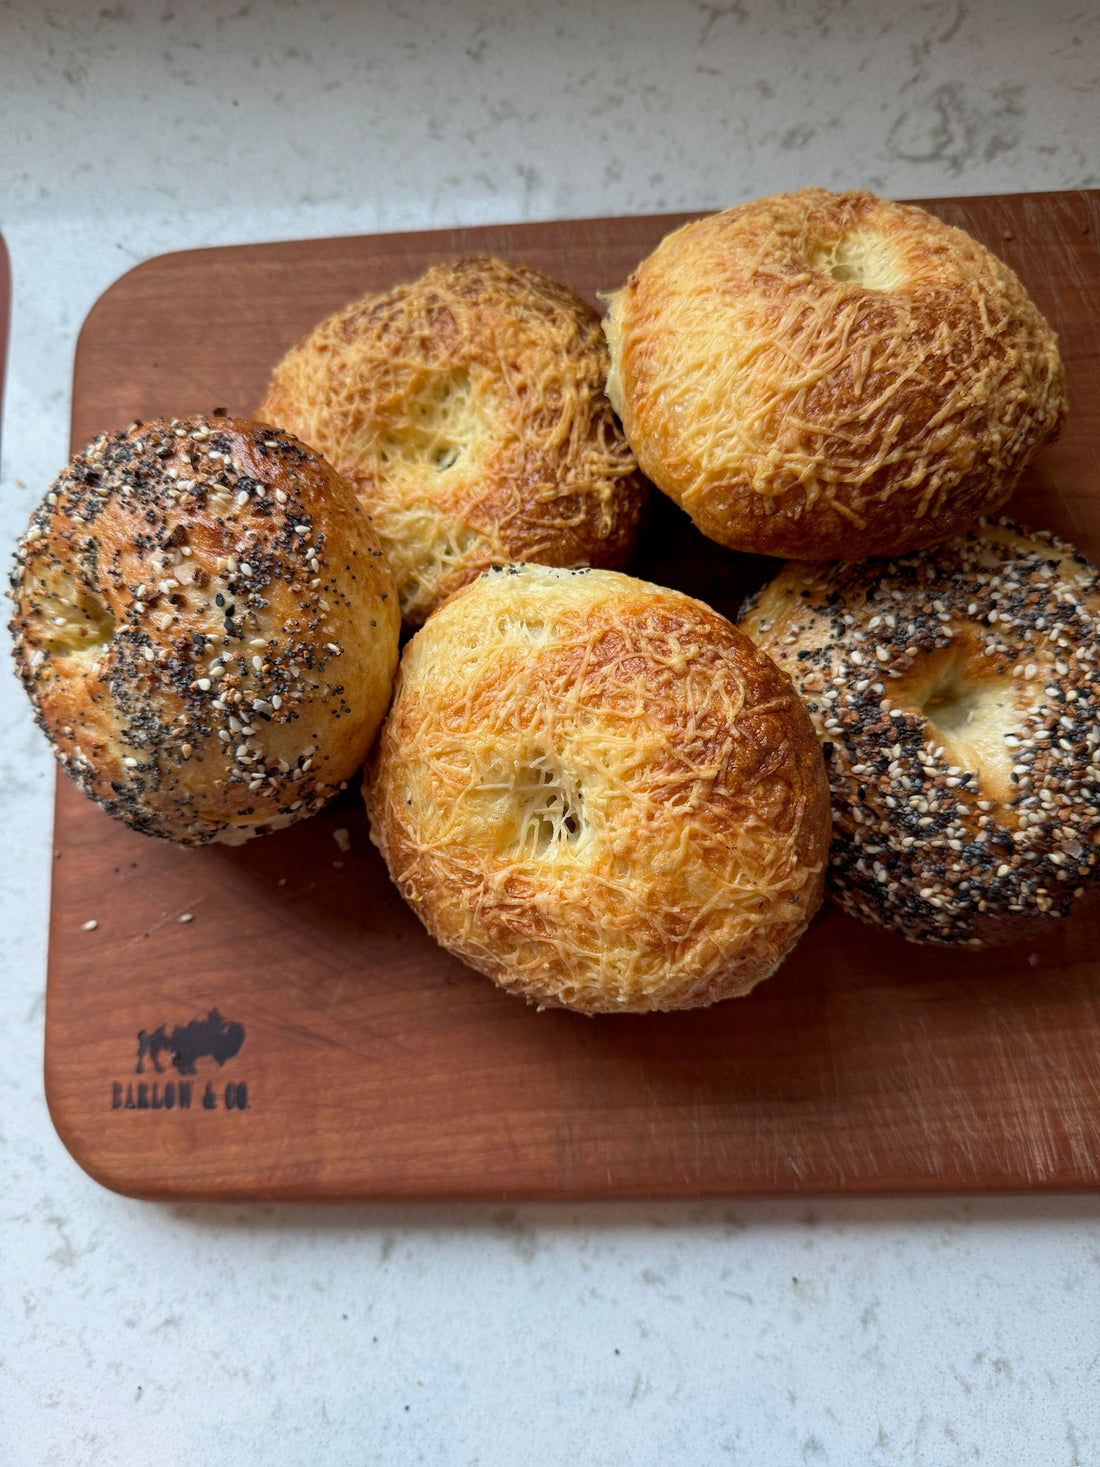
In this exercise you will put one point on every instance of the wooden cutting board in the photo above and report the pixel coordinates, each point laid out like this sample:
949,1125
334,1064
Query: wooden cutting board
271,1022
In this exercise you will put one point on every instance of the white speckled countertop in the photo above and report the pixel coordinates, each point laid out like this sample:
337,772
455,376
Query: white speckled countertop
926,1331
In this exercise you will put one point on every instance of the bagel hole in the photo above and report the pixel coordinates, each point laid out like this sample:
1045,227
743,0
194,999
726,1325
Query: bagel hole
969,710
435,427
951,703
549,812
75,622
858,259
534,806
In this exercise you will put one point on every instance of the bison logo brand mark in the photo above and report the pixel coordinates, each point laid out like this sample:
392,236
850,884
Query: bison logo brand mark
210,1038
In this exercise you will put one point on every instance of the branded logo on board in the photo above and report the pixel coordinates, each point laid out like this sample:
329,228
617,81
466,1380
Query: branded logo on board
213,1038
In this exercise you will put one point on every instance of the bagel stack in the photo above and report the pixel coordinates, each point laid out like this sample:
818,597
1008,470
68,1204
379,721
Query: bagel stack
592,789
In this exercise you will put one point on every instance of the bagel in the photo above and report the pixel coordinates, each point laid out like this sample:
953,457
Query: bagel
206,626
831,376
957,693
598,793
468,409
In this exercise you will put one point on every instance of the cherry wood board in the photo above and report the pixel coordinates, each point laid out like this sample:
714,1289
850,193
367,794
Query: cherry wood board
329,1050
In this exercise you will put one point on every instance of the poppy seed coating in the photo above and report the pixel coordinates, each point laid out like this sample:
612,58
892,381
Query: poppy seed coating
206,627
957,695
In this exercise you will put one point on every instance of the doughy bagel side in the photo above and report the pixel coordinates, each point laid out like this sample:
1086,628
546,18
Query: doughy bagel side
957,694
597,792
206,626
468,409
831,376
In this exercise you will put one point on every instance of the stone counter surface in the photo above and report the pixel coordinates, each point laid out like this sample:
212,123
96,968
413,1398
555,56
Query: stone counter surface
898,1331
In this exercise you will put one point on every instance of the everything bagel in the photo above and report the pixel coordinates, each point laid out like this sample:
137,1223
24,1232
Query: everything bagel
957,694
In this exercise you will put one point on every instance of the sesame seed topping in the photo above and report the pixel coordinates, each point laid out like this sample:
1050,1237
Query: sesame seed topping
926,841
185,678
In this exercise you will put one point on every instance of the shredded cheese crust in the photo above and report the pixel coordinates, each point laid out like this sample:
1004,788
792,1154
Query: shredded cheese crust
831,376
598,793
468,409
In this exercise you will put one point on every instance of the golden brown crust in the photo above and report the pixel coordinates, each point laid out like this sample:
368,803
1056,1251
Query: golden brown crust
831,376
206,626
468,409
597,792
957,692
